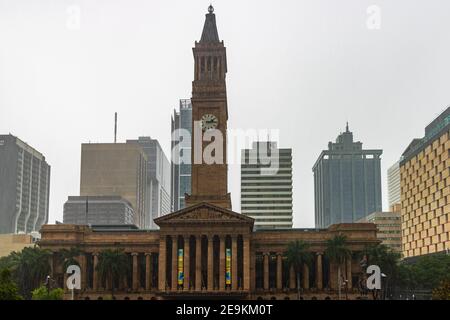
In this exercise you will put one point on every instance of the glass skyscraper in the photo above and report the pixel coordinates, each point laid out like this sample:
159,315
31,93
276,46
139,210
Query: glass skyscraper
347,182
158,179
181,172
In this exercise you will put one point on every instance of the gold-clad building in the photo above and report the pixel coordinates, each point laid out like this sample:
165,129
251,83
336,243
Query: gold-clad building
206,250
425,190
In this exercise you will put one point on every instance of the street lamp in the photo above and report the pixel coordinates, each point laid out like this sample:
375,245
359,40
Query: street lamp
383,290
48,283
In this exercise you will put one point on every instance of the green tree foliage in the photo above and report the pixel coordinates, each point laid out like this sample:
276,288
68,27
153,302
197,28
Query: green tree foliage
8,288
422,273
388,261
443,291
42,293
70,256
29,268
112,265
427,272
9,262
297,254
337,251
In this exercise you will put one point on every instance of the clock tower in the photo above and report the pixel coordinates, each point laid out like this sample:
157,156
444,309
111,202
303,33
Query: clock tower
209,119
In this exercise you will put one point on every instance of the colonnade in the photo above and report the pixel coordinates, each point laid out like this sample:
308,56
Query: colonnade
207,262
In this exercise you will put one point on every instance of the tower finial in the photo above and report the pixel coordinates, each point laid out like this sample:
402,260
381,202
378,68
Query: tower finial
346,128
209,34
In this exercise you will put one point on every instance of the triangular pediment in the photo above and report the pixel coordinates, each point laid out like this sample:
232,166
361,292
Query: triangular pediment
206,213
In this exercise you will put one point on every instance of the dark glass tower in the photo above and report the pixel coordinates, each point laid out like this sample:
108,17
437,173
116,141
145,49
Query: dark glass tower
180,171
347,182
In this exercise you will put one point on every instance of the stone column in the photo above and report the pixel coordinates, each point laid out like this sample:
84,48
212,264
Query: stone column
51,261
162,264
174,263
319,281
349,273
83,269
222,264
121,283
266,271
148,271
186,263
292,276
253,260
95,273
135,271
108,283
246,264
210,263
305,276
333,276
279,271
234,263
198,263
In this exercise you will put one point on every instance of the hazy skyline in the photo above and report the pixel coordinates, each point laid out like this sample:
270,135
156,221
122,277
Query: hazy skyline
303,67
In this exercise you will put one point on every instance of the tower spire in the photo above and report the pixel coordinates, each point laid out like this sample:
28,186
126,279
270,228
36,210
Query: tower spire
347,128
210,33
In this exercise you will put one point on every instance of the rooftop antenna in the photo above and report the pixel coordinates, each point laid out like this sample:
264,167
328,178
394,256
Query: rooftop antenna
115,127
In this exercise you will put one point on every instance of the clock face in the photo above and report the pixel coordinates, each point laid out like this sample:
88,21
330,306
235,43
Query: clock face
209,121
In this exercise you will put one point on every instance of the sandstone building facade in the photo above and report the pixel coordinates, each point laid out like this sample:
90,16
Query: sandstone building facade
206,235
206,250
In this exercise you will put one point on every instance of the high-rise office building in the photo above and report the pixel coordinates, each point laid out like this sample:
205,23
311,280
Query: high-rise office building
98,210
425,190
394,184
117,169
158,179
389,230
24,187
180,171
347,182
266,185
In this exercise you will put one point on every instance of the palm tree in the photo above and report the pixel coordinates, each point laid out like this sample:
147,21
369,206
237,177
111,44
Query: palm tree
387,260
298,254
70,256
10,262
31,269
337,251
112,264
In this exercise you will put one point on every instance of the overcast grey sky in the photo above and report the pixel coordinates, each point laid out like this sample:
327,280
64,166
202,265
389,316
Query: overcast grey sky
304,67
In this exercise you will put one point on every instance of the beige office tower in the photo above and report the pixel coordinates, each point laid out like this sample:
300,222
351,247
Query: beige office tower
425,190
388,224
393,180
116,169
267,197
